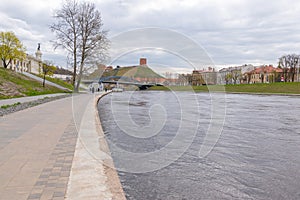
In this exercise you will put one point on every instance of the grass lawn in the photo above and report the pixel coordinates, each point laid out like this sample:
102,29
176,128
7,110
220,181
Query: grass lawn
57,81
264,88
13,84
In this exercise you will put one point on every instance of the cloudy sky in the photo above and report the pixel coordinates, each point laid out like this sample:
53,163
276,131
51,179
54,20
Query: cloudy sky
231,32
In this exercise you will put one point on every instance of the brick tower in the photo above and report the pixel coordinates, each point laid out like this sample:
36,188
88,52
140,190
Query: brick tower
143,61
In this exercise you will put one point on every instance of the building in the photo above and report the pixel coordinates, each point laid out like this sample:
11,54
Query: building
143,61
234,75
108,69
264,74
32,64
204,77
185,79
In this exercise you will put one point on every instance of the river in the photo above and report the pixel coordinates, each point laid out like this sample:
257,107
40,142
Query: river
155,139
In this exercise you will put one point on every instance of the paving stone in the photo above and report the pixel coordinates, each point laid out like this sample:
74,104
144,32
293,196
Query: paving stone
55,176
59,194
44,176
35,196
58,198
38,183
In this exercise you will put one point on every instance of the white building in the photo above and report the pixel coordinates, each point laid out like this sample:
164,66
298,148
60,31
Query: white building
30,64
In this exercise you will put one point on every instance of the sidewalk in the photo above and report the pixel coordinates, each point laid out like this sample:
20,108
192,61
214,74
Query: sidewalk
27,99
37,148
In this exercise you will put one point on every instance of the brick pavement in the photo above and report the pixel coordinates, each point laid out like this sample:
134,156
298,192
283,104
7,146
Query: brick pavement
37,151
53,181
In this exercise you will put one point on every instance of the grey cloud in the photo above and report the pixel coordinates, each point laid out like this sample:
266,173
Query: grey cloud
232,32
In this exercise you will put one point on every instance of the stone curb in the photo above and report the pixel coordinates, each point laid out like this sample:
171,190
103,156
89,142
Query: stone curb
93,175
113,180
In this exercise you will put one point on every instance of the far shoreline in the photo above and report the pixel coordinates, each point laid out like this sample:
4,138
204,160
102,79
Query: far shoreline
281,89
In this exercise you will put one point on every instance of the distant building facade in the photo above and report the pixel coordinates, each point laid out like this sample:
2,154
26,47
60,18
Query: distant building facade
204,77
264,74
30,64
234,75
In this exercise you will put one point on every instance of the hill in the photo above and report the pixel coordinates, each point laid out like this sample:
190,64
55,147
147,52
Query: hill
133,72
13,84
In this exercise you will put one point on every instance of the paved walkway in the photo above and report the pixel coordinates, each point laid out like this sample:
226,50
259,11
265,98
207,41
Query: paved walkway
37,148
27,99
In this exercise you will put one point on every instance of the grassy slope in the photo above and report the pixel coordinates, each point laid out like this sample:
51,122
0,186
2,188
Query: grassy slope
14,84
277,88
57,81
146,72
137,71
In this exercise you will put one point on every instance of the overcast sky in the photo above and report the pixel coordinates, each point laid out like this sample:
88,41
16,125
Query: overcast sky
231,32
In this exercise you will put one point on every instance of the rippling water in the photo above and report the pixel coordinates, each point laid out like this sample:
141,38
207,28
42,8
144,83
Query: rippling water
256,157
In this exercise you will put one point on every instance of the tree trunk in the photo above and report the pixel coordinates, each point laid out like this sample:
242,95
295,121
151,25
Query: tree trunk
4,64
44,80
79,77
293,73
75,63
74,74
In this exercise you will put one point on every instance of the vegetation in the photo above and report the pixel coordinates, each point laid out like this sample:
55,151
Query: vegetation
79,30
57,81
8,106
14,84
290,66
47,69
263,88
134,71
284,88
10,48
96,74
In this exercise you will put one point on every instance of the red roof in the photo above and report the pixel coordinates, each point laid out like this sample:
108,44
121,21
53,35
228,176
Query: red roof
266,69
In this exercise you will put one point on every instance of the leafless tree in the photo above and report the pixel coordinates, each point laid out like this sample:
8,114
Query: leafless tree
289,64
236,75
79,30
67,31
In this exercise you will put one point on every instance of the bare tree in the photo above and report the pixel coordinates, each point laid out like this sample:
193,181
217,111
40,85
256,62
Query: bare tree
289,64
93,40
66,30
236,75
79,30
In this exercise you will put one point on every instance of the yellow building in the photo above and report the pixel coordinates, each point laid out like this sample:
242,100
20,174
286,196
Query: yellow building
264,74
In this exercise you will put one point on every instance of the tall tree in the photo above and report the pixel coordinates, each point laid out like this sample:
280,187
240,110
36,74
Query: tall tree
228,78
79,30
289,64
66,30
236,75
10,48
93,40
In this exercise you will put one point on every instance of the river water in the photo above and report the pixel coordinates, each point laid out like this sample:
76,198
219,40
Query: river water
156,137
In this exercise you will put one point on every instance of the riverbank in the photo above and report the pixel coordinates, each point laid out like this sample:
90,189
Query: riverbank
14,84
262,88
93,174
113,180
